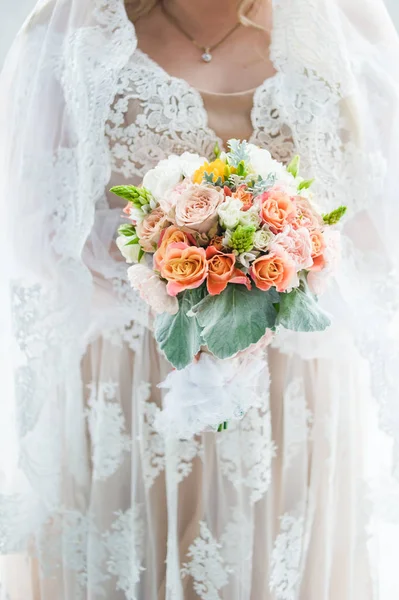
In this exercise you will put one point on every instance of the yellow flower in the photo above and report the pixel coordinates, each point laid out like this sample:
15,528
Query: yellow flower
218,168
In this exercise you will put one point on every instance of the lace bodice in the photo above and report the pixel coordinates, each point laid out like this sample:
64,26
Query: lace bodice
155,115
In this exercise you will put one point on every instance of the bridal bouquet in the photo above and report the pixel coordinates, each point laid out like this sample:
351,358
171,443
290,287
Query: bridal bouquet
225,252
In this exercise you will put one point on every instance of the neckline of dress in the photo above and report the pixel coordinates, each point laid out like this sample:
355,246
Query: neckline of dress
198,94
167,75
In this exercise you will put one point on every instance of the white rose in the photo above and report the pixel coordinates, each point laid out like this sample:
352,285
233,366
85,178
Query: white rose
264,165
189,163
130,253
162,178
262,239
230,213
169,172
250,217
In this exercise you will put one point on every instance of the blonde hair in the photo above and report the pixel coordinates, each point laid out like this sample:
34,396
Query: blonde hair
140,8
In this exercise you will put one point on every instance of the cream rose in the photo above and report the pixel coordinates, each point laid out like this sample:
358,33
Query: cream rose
149,230
197,207
263,238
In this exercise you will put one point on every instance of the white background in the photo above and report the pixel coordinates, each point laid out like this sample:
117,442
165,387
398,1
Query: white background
14,12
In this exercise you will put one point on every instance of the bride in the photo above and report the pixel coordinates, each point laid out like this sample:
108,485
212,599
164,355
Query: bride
94,503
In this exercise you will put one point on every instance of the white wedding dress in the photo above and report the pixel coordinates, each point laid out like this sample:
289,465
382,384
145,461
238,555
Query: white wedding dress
274,508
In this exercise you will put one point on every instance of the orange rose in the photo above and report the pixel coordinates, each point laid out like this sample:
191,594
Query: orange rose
318,247
217,242
275,269
245,196
184,267
221,271
171,235
277,209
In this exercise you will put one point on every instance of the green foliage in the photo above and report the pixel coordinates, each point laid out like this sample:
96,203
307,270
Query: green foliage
242,239
293,167
335,216
134,240
234,319
210,178
127,230
305,185
139,196
299,311
238,152
216,150
179,336
263,185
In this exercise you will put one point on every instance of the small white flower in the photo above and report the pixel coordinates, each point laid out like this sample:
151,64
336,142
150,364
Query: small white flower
246,258
230,213
130,253
250,217
262,238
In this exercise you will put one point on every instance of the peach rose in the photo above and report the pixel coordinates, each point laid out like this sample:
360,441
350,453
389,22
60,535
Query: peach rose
245,196
197,206
171,235
318,247
277,209
149,230
306,216
318,280
221,271
275,269
184,267
298,244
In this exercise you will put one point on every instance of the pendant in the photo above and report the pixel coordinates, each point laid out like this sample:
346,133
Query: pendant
207,56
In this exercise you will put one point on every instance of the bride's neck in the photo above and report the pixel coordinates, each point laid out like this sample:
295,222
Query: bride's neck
204,13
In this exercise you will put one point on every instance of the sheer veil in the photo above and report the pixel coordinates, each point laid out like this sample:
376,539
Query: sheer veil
340,96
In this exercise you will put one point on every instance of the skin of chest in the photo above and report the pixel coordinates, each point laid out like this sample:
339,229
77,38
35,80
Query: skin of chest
240,63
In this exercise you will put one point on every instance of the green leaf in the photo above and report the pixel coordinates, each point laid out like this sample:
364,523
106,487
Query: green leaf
293,167
216,150
140,255
133,241
127,230
128,192
263,185
241,170
238,152
306,184
335,216
299,311
179,336
208,177
234,319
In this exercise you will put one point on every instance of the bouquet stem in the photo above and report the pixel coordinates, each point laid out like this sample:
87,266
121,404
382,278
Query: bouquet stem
223,426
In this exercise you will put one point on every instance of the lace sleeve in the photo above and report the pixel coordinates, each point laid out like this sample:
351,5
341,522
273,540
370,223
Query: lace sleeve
55,93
